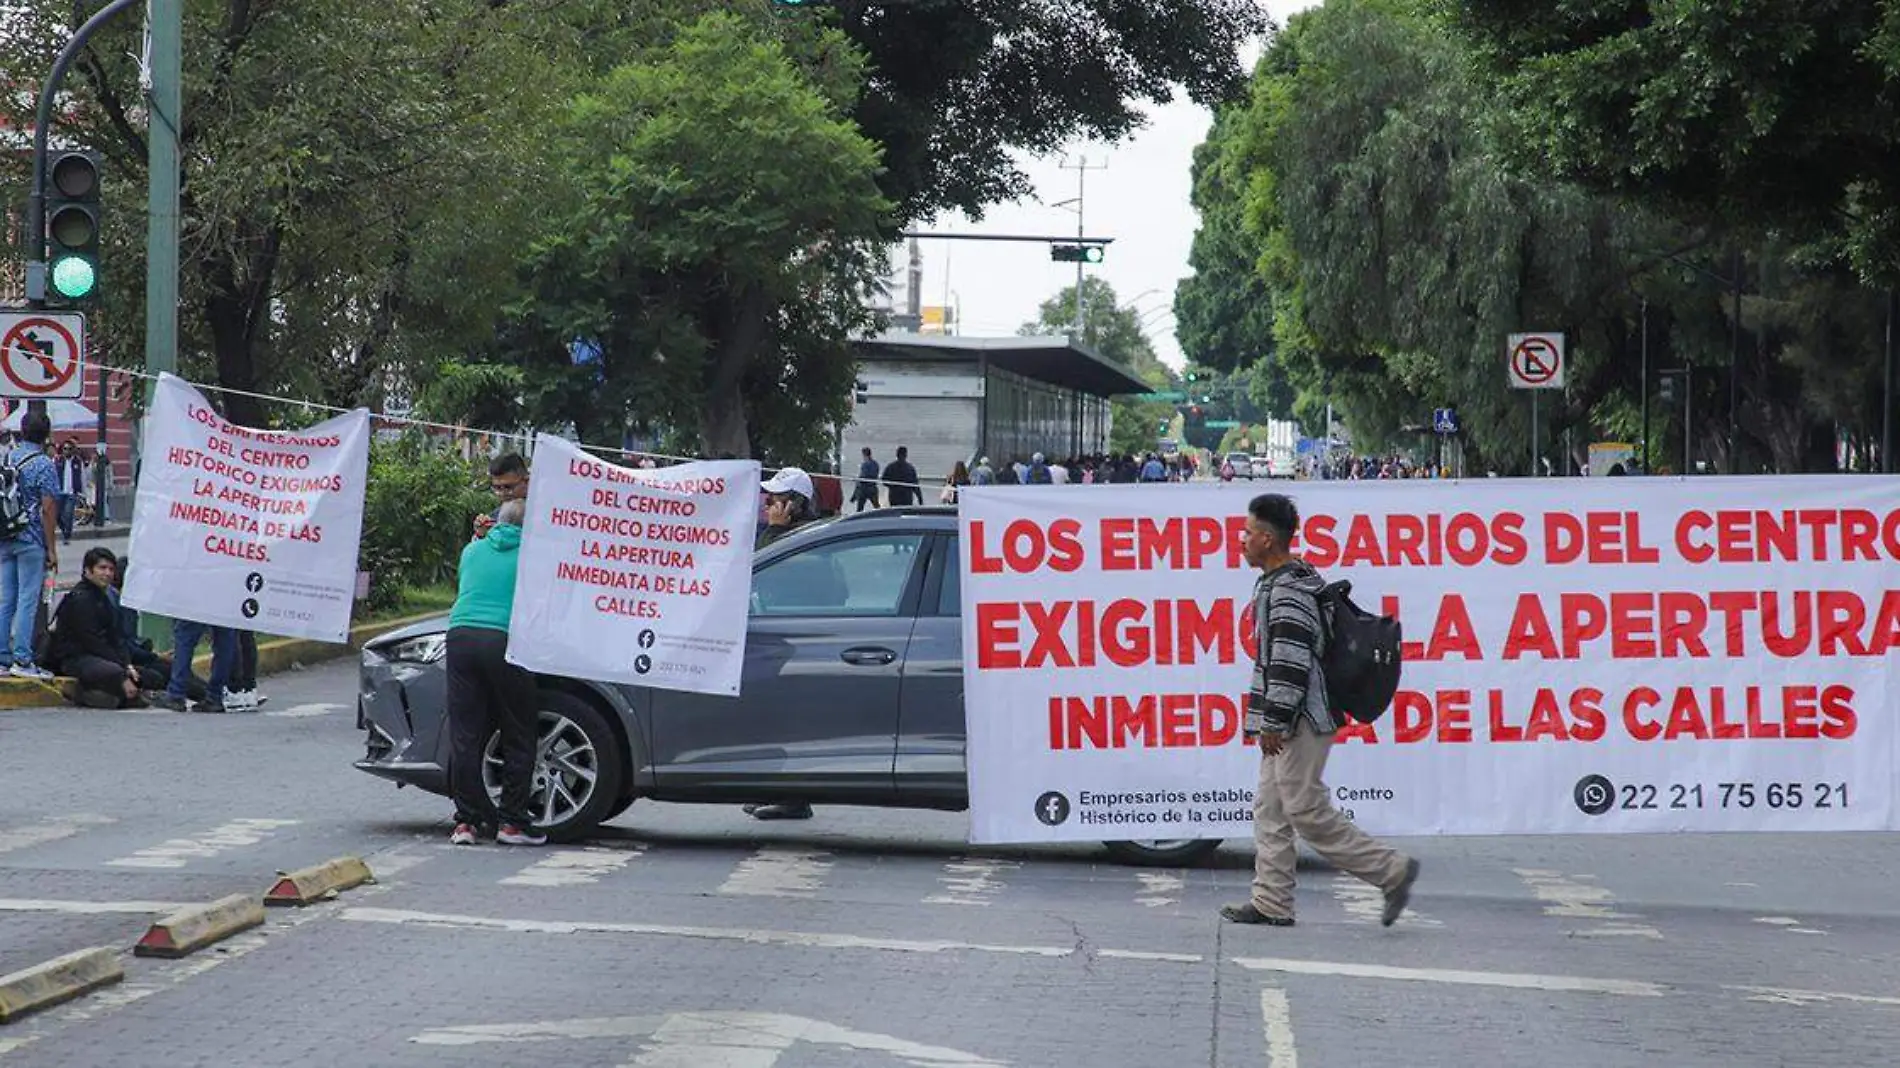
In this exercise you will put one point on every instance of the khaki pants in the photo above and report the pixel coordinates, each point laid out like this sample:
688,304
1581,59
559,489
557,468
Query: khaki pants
1292,799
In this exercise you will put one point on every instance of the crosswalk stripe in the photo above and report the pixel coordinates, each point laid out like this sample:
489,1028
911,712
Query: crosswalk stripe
970,881
178,852
574,867
1159,888
1578,897
1365,903
779,872
50,830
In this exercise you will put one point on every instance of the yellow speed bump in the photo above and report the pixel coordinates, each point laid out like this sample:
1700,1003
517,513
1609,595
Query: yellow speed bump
309,884
57,980
197,926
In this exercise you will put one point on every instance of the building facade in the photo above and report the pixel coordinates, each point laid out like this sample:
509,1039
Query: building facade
959,398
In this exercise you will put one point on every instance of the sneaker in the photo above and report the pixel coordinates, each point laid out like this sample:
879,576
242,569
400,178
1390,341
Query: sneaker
1399,896
162,699
29,671
1249,915
256,699
240,701
510,834
463,834
209,708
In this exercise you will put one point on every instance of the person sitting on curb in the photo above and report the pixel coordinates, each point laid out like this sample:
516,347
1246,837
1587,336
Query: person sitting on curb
84,642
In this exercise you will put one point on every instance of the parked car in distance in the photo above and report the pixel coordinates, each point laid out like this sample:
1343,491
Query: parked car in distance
1241,462
852,695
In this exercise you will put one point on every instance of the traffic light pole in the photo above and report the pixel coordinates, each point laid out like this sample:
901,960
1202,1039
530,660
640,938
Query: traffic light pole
161,235
42,124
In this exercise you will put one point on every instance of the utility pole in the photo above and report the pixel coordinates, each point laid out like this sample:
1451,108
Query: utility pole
1081,167
1645,347
165,103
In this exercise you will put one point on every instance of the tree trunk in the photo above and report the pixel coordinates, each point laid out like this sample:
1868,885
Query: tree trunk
237,304
736,328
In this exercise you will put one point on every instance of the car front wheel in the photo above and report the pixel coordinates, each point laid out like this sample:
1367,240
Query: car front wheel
579,769
1164,852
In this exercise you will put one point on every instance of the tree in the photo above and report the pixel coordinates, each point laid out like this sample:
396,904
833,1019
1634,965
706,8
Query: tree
721,231
326,151
1115,332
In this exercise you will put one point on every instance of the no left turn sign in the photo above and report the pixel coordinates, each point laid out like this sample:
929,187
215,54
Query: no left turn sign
1536,361
42,355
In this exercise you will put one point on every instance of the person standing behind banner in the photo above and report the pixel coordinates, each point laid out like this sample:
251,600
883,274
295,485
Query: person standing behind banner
487,694
1288,712
31,546
243,695
508,481
901,479
186,634
865,492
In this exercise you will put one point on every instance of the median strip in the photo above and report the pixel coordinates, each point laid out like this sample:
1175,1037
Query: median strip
57,980
196,926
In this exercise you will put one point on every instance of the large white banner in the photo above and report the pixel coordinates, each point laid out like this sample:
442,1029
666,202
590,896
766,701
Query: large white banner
1583,655
245,528
636,576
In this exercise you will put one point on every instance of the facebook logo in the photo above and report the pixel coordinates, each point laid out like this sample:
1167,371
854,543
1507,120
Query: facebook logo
1052,808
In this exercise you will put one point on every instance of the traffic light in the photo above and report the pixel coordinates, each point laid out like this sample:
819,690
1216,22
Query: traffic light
1076,253
72,227
1193,376
1667,390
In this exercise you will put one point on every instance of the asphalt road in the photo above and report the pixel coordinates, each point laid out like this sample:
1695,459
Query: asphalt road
693,937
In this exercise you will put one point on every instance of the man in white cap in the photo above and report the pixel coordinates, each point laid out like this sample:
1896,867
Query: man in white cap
788,504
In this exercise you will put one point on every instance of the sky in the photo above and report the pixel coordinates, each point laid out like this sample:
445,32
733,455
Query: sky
1140,198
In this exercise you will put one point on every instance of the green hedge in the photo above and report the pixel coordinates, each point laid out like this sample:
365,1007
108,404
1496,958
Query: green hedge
421,500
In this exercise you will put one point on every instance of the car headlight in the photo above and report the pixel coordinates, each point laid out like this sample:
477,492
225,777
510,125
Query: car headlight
424,650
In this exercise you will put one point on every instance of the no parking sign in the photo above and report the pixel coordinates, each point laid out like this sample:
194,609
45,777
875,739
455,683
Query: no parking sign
42,355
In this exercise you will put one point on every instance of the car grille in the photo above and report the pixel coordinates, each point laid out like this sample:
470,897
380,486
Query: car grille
380,745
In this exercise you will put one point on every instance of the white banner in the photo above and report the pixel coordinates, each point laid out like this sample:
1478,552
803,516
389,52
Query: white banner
244,528
636,576
1583,655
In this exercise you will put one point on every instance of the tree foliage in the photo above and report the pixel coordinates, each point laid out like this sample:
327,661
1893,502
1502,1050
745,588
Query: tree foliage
1116,333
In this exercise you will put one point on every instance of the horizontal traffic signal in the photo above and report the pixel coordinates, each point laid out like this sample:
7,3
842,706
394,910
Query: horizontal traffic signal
1076,253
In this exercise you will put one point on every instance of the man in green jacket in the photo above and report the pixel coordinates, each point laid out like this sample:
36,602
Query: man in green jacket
487,693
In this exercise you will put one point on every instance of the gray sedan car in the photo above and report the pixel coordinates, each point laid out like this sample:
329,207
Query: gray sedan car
852,695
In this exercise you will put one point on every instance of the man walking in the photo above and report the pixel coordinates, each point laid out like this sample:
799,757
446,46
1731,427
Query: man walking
486,693
1289,714
27,523
902,479
865,494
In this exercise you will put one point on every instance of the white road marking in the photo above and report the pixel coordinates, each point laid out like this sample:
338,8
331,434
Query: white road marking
710,1039
970,881
816,940
1563,983
779,872
1756,886
86,908
178,852
1159,888
1365,903
1578,897
1277,1015
574,867
306,711
395,861
1784,996
51,829
1779,921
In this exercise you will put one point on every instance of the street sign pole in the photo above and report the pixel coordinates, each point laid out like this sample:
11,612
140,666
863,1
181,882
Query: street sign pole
1534,465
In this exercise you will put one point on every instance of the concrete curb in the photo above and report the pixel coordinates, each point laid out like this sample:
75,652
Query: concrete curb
57,980
198,926
309,884
283,654
16,694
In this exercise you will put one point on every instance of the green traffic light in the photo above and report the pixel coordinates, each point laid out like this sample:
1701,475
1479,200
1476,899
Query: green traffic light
74,277
1092,253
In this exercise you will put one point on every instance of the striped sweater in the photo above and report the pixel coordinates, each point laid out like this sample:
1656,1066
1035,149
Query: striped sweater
1287,680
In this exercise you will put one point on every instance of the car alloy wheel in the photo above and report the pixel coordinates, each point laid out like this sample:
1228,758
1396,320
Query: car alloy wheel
566,770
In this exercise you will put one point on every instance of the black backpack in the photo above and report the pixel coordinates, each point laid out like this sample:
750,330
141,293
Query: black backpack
1361,659
13,521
